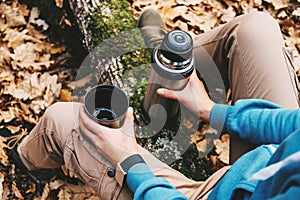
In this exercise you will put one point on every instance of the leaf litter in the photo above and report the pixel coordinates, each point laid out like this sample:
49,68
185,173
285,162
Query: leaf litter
32,79
33,76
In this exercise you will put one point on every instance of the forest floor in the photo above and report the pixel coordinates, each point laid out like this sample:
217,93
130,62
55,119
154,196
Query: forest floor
37,70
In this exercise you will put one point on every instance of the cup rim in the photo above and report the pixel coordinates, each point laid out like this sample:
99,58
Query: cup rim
106,86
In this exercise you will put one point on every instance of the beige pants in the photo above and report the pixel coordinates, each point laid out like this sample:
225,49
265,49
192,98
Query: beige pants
250,56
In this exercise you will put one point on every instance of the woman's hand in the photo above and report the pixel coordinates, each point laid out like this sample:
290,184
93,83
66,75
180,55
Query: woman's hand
115,144
193,96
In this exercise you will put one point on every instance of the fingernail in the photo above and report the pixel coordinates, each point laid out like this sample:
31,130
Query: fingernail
130,110
160,91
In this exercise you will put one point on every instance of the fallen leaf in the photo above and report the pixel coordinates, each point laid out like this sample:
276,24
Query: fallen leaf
59,3
278,4
282,14
66,95
222,148
296,12
188,2
13,129
12,15
1,186
33,19
9,114
3,156
16,191
46,192
25,53
228,14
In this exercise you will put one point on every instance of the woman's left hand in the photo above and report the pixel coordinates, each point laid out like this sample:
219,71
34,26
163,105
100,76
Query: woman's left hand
115,144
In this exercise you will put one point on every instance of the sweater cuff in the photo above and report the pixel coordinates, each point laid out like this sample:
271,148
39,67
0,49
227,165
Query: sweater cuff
218,117
138,174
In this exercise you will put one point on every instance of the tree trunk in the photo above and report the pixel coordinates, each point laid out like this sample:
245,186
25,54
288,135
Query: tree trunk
81,10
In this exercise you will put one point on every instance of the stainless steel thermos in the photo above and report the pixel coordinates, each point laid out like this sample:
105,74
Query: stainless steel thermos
172,64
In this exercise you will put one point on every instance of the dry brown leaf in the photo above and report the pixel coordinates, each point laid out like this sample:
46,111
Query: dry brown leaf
6,76
228,14
46,192
141,4
222,148
181,25
180,9
296,12
64,194
36,34
56,50
54,185
68,172
16,38
3,155
278,4
33,119
22,90
38,106
188,2
66,95
163,3
16,191
25,53
13,16
59,3
23,10
3,25
33,19
169,13
9,114
34,85
1,186
282,14
13,129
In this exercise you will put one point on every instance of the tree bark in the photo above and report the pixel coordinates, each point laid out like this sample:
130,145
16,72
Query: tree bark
81,10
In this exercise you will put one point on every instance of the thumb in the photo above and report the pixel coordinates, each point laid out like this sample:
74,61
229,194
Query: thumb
128,122
169,94
129,114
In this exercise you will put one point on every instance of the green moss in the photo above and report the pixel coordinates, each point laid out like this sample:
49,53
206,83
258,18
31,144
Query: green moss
109,19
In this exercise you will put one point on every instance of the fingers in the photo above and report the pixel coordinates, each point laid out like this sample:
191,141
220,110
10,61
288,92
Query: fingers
87,124
167,93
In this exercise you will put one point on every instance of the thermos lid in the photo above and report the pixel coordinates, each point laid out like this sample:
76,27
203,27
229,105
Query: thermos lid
177,46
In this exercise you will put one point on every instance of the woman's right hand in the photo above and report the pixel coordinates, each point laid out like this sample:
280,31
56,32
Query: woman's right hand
194,97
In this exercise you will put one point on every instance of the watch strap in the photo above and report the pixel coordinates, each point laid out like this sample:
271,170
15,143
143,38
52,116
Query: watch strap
130,161
124,166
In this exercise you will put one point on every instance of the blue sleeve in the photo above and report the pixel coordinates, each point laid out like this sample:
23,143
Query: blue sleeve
256,121
146,186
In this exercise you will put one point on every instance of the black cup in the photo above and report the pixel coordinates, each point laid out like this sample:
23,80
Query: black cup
107,105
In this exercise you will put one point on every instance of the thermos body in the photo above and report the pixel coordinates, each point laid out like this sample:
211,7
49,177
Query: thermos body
172,64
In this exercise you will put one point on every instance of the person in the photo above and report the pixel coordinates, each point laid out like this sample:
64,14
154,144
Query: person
250,55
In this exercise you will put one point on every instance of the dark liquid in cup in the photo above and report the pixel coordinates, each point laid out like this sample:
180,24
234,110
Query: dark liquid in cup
104,114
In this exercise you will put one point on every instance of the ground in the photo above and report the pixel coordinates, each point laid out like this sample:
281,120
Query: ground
37,69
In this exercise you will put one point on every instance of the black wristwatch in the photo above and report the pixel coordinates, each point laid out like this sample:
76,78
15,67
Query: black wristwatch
123,167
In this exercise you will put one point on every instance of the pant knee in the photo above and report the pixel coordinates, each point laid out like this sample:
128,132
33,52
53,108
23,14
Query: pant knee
62,116
262,18
260,28
60,110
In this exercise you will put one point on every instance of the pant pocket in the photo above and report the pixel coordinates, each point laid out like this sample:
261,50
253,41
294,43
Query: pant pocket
92,171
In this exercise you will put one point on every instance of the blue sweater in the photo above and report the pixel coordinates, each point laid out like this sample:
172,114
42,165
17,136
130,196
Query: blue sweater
259,174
